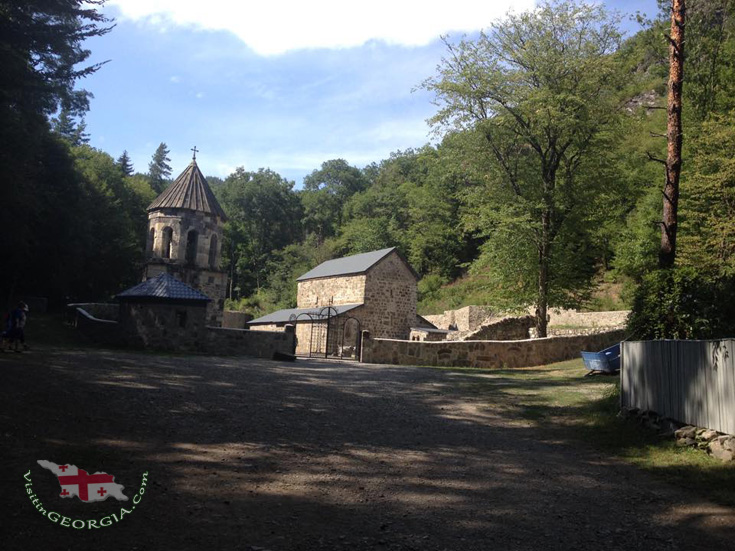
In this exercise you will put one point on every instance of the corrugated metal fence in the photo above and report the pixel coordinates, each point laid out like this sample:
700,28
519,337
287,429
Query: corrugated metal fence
690,381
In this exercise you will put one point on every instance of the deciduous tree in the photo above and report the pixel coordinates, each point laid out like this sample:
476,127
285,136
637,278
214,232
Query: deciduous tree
541,88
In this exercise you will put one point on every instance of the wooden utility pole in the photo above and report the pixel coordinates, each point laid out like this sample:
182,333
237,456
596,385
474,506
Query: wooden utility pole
667,254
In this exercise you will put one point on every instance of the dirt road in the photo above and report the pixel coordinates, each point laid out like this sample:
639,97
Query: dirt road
251,454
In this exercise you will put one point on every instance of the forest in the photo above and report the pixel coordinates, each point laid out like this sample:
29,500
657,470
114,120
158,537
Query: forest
542,186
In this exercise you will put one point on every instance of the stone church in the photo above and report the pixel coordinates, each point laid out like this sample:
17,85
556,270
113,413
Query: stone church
185,238
338,299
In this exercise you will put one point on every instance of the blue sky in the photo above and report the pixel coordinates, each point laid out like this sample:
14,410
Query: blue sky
285,86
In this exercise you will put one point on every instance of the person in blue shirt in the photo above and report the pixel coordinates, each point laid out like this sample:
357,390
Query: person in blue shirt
18,319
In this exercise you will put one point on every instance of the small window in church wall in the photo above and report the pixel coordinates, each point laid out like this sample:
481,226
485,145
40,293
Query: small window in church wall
181,318
192,239
166,241
213,252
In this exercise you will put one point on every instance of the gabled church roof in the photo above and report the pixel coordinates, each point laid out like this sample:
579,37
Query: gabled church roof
351,265
189,191
164,286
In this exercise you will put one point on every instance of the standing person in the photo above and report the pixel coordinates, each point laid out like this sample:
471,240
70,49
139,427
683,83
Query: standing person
18,324
7,331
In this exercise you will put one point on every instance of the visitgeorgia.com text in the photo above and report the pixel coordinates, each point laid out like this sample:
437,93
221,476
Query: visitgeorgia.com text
81,524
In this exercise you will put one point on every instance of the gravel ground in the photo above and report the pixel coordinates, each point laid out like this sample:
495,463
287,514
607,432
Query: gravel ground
252,454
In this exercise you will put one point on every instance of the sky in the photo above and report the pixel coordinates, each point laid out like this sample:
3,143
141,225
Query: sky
284,84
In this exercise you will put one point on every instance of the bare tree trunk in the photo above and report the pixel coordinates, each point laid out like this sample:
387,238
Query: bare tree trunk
542,304
667,253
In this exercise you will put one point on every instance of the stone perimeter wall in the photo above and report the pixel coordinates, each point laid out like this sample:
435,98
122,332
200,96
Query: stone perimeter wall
485,354
468,318
497,329
471,318
262,344
202,339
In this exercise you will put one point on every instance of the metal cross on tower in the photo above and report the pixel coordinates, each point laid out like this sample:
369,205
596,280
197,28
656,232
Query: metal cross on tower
195,150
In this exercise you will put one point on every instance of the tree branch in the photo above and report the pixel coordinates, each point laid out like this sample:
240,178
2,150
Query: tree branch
655,159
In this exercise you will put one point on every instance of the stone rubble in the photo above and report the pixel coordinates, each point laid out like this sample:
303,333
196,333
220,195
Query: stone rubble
721,446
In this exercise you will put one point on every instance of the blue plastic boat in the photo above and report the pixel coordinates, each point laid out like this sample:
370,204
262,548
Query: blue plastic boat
606,361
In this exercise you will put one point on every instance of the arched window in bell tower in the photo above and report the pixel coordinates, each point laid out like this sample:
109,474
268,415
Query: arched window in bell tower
151,241
167,238
192,239
213,252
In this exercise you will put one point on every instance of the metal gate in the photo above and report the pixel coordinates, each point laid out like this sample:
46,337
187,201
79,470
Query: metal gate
324,332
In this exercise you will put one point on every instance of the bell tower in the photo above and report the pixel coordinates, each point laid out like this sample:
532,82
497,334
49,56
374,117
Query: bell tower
185,238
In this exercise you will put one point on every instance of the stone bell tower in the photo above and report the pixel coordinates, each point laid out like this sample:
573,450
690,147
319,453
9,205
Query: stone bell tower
185,238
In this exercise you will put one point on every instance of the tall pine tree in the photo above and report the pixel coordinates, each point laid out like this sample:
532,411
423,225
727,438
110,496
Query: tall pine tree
125,164
159,171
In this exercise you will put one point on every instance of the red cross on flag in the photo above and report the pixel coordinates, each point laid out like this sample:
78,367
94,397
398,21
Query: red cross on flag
87,487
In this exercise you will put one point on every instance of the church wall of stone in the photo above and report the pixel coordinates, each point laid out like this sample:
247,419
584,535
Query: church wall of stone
200,275
388,291
182,222
390,299
341,290
213,284
268,327
158,325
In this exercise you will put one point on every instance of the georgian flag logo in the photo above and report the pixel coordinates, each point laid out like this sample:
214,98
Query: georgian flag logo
87,487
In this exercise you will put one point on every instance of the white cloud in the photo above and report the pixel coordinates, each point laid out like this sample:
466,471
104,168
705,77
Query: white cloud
279,26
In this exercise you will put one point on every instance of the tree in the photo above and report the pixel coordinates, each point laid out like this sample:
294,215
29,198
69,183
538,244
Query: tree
541,89
669,222
708,210
264,216
125,164
159,171
41,46
67,127
325,193
40,55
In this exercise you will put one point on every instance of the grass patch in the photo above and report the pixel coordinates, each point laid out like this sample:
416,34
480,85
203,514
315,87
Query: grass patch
560,397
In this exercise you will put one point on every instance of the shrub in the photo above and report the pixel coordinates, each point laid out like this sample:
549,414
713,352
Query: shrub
680,303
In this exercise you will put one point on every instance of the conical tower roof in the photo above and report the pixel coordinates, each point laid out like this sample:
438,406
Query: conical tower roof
189,191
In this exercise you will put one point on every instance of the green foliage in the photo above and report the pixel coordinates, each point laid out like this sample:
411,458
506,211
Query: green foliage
283,267
541,91
125,164
681,303
159,169
110,230
66,126
412,204
264,216
325,193
710,68
464,291
40,48
708,199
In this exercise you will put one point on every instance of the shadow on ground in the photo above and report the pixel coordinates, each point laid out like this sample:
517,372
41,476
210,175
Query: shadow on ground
247,454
